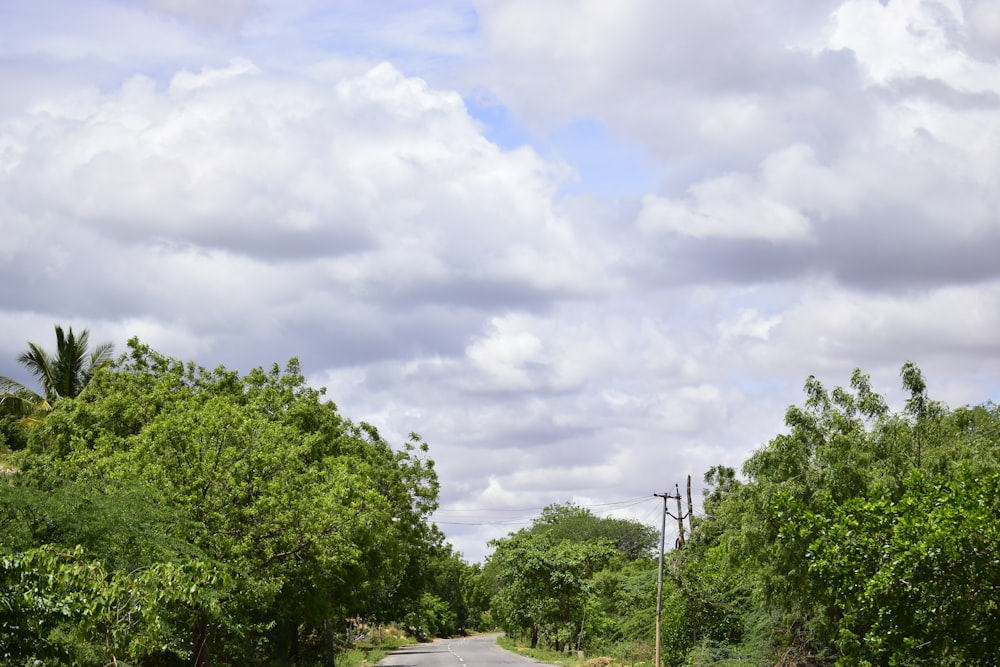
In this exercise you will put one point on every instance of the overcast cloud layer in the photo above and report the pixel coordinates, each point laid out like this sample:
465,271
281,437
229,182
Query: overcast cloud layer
583,248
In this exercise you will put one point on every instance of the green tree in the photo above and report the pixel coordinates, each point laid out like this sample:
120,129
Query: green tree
569,522
310,512
477,589
544,584
913,579
545,576
59,608
862,532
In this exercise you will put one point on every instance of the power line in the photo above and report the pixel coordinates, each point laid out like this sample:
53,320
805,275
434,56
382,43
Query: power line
531,512
507,522
628,502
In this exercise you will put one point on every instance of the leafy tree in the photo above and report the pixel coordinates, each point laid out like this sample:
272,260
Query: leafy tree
545,575
448,578
58,608
125,528
477,589
832,447
622,603
569,522
912,580
863,531
544,585
309,512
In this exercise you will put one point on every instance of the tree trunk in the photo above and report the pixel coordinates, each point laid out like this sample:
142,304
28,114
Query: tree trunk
329,650
200,637
290,638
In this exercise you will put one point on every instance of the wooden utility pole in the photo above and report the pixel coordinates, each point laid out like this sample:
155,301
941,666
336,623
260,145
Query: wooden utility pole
659,579
680,517
680,543
690,509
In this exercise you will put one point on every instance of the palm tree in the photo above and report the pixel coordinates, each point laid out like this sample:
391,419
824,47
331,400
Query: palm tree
61,375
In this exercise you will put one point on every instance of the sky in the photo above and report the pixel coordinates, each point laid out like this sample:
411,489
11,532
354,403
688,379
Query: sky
583,248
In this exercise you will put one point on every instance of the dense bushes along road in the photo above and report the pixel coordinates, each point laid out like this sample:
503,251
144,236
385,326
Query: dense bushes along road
160,513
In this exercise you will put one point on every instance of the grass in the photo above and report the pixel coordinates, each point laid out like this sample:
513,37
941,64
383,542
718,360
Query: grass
543,655
622,656
368,653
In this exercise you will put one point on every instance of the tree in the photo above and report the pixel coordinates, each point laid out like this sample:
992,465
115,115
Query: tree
870,535
633,539
545,575
309,512
912,579
60,375
59,608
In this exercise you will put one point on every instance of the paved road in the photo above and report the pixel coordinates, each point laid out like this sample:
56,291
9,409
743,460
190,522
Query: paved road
478,651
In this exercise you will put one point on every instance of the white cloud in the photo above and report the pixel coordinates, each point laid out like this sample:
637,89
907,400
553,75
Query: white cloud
379,169
246,182
725,207
503,355
723,79
915,38
748,323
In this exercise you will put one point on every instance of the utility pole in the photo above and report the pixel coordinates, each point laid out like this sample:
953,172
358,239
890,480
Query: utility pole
659,579
680,543
680,517
690,508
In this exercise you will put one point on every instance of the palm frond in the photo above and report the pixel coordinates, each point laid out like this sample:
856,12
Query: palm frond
40,365
36,417
100,357
16,399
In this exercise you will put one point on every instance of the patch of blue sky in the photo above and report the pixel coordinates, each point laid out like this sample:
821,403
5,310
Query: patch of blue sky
499,125
603,163
761,384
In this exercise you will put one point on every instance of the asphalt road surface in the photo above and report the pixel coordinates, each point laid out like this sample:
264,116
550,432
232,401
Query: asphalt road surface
478,651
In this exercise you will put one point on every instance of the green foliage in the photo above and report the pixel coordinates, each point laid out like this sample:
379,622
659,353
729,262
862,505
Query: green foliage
12,433
123,528
57,607
860,536
622,604
912,580
432,617
866,535
165,464
477,589
569,522
547,577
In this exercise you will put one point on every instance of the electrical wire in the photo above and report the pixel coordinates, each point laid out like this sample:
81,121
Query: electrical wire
526,520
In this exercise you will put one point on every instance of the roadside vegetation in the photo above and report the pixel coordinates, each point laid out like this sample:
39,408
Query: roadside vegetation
861,536
159,513
164,514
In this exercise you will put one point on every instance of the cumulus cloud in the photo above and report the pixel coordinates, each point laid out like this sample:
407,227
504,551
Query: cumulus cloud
725,207
720,79
259,190
249,181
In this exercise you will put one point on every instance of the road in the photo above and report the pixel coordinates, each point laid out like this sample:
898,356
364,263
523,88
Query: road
478,651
